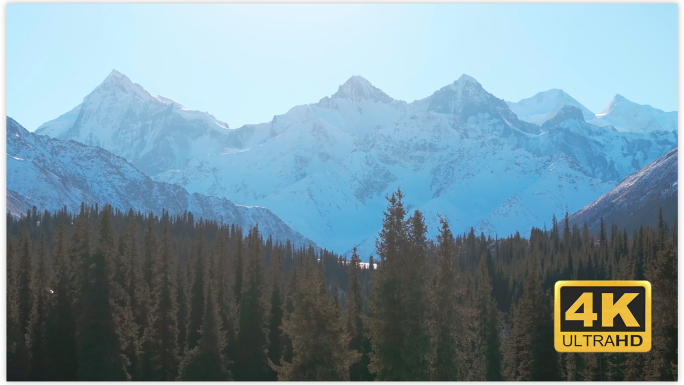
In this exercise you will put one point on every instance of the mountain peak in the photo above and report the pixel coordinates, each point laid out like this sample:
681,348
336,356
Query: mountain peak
545,105
358,88
465,79
117,77
616,99
118,83
619,98
357,80
567,112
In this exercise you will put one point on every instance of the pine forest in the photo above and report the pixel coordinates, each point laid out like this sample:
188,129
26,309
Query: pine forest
108,295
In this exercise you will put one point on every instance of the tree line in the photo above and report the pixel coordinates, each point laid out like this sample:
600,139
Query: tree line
108,295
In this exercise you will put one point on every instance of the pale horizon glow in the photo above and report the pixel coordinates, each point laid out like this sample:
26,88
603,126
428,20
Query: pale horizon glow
245,63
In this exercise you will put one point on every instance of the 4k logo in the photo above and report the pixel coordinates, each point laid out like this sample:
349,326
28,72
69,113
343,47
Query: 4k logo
602,316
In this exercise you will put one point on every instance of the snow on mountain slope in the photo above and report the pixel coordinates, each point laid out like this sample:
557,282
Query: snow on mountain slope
637,199
325,168
52,173
154,133
632,117
545,105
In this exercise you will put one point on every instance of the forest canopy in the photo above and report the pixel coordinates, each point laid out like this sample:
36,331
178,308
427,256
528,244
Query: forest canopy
108,295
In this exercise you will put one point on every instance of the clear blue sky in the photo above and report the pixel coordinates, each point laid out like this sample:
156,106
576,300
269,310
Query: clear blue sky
246,63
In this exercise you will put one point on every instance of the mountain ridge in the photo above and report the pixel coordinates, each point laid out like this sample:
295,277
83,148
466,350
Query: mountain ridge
53,173
325,167
636,200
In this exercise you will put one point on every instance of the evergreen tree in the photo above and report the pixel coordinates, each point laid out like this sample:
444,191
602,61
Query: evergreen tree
99,351
386,306
448,328
161,358
36,328
417,345
90,310
275,343
355,326
489,331
18,355
124,279
530,355
206,361
197,301
320,343
663,277
183,310
251,362
24,283
60,331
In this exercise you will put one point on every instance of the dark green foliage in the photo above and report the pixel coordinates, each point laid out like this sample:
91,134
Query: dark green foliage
102,294
448,306
489,331
320,344
206,361
530,354
398,305
99,350
663,277
197,292
358,341
17,352
275,339
161,356
183,310
386,305
251,362
36,328
60,325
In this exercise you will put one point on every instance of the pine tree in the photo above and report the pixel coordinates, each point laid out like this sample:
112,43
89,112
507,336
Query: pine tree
183,310
661,360
529,353
417,345
197,301
289,309
386,306
225,299
237,289
355,326
18,355
489,320
24,283
275,343
206,361
36,329
448,327
124,277
251,362
60,331
99,350
161,357
320,343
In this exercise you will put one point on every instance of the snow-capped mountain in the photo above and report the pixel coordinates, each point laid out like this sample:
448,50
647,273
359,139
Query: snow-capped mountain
325,168
628,116
154,133
545,105
51,174
637,199
622,114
